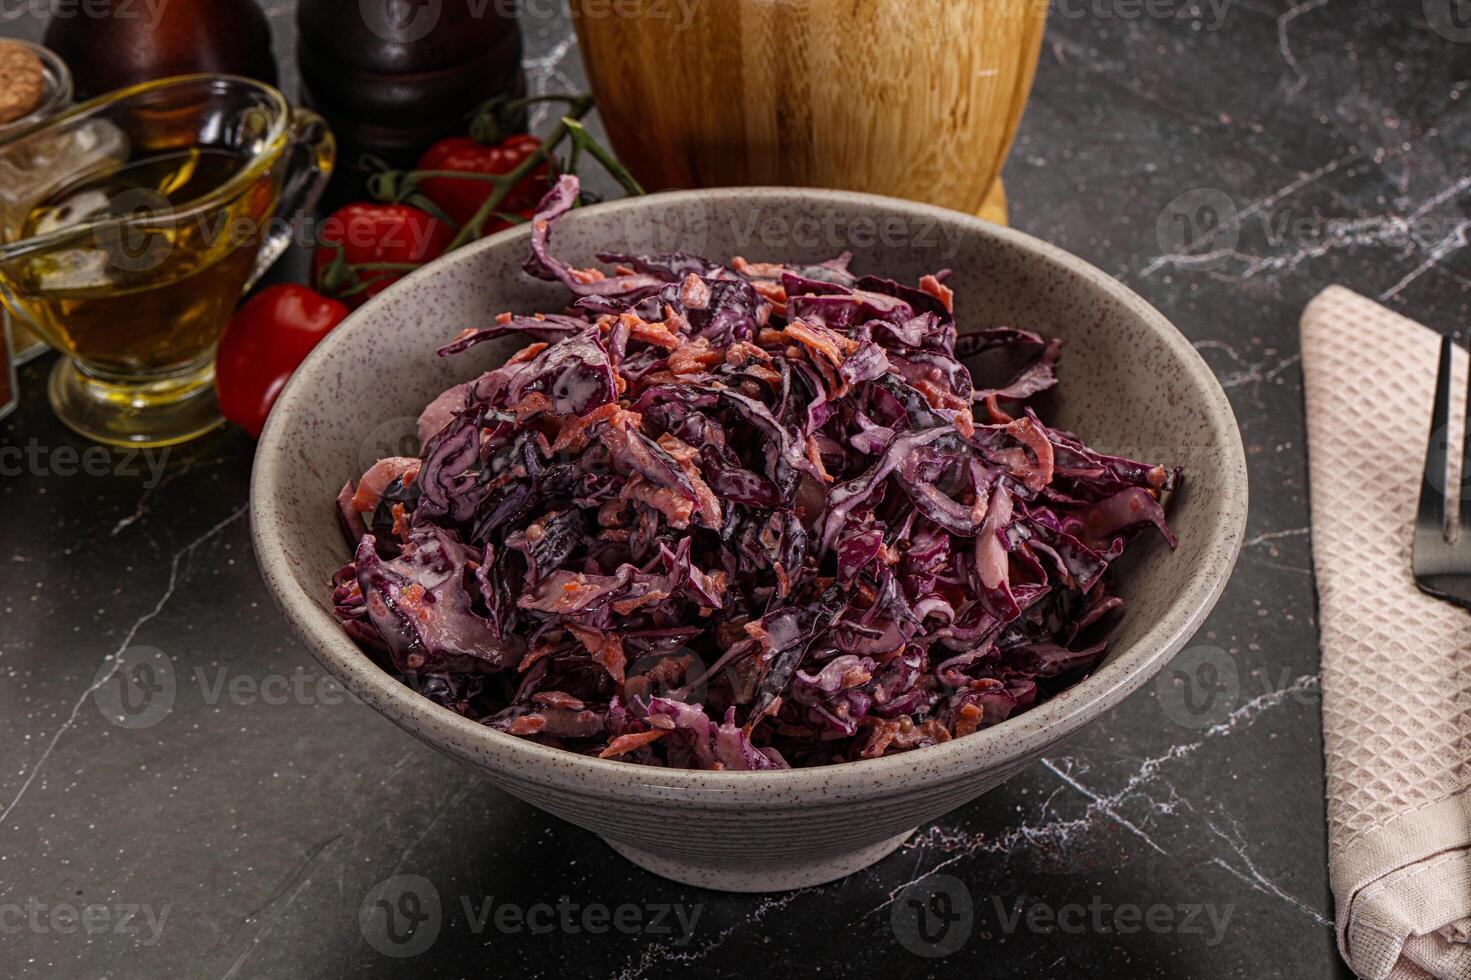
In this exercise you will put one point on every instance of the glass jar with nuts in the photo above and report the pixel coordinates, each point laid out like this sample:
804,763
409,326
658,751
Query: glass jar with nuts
35,84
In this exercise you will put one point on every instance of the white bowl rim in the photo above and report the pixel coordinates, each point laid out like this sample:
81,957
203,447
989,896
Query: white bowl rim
987,749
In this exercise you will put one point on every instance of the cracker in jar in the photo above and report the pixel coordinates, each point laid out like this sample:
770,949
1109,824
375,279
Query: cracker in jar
22,82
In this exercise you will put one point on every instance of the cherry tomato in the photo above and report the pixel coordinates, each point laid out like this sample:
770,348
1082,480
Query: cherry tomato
264,342
460,199
364,234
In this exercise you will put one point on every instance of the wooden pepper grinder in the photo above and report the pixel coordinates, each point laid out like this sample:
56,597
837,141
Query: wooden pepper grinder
109,49
393,76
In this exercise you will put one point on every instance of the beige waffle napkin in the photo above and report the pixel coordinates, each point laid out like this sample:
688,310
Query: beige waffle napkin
1396,663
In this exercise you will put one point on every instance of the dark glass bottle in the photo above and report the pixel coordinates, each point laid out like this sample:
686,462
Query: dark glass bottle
109,49
393,76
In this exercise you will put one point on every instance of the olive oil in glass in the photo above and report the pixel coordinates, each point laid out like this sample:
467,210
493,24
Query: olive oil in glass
129,227
132,301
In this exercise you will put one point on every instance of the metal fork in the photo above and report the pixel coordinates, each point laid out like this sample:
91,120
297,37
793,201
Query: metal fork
1442,555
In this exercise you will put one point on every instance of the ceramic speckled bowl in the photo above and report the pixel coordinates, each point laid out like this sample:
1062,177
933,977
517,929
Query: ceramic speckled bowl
1130,383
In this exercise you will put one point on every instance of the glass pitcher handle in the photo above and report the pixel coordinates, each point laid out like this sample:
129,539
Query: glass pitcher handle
310,157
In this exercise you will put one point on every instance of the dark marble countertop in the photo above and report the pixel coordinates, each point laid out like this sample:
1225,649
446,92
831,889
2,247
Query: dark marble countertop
240,833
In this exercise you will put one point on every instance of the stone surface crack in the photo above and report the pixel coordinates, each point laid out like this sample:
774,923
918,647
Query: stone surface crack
1284,42
1256,879
960,845
116,655
1104,806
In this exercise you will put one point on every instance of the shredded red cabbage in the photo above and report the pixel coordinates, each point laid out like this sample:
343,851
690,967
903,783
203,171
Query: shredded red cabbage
741,517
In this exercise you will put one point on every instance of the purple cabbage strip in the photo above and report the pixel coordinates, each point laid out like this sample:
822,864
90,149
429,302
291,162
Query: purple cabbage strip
676,532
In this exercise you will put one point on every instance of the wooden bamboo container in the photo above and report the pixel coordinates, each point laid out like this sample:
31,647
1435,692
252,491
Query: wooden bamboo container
916,98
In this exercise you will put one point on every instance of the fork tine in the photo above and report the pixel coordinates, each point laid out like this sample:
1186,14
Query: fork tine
1432,494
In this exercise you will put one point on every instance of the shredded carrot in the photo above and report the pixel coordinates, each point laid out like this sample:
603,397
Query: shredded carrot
627,743
527,353
657,334
573,436
937,289
528,725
